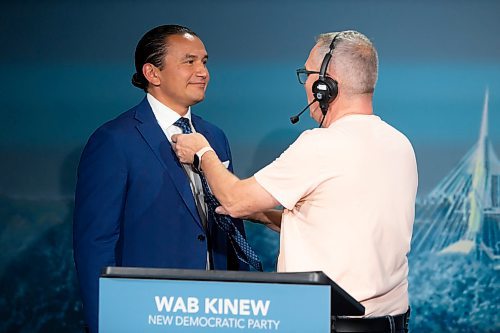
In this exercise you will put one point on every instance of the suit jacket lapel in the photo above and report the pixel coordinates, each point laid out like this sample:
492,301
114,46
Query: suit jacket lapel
160,146
200,127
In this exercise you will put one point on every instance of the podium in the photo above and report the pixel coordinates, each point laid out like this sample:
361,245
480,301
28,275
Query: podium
178,300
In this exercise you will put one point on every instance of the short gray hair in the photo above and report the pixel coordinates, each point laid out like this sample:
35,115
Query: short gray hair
354,60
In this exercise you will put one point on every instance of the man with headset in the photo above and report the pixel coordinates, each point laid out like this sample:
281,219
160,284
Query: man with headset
348,188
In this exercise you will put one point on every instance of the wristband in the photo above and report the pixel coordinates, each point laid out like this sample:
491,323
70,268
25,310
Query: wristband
197,157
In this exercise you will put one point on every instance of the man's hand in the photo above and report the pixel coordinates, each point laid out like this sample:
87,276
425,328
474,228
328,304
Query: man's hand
186,145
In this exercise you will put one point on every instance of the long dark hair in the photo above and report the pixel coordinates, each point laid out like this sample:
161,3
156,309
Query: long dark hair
152,49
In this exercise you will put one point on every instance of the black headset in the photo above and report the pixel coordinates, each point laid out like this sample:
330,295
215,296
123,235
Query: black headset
325,89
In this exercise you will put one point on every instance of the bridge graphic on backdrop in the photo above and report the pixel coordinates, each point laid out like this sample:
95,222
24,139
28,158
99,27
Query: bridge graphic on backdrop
462,213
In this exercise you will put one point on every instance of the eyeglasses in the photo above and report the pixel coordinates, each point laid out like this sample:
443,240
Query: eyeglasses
303,74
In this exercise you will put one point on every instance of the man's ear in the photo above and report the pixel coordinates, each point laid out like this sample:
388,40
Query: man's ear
150,72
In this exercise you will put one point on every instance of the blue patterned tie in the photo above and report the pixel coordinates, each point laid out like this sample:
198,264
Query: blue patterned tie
224,222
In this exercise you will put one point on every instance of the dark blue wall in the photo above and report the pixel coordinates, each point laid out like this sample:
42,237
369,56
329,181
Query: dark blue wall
66,69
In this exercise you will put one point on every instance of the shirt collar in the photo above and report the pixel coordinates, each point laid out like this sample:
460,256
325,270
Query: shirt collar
164,115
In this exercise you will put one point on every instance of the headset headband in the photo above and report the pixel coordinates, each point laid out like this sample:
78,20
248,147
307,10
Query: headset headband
326,59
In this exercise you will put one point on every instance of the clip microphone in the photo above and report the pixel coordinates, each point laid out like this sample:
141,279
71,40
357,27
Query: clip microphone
295,119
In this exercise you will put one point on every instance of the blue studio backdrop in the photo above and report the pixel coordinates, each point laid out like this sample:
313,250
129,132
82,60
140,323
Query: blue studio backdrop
66,68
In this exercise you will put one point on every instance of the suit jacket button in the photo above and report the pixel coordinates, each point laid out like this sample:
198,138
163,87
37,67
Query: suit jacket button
201,238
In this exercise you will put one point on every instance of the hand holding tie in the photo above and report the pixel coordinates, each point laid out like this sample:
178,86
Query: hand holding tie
186,145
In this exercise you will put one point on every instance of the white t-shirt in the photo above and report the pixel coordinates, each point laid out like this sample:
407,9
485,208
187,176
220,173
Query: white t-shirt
349,196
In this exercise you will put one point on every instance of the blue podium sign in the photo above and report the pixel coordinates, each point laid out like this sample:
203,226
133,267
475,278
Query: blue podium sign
145,305
180,300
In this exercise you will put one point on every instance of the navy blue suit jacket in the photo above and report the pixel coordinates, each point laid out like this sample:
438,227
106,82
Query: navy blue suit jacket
134,206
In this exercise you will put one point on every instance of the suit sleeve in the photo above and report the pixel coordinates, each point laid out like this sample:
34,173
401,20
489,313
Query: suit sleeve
233,263
99,200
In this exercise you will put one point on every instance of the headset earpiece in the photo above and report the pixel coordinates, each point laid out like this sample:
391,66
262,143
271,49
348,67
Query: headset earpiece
325,89
325,92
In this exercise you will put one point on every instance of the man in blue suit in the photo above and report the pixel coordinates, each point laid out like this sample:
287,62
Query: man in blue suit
135,203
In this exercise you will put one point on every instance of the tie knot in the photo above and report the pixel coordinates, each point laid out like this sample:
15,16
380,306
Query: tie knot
184,125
